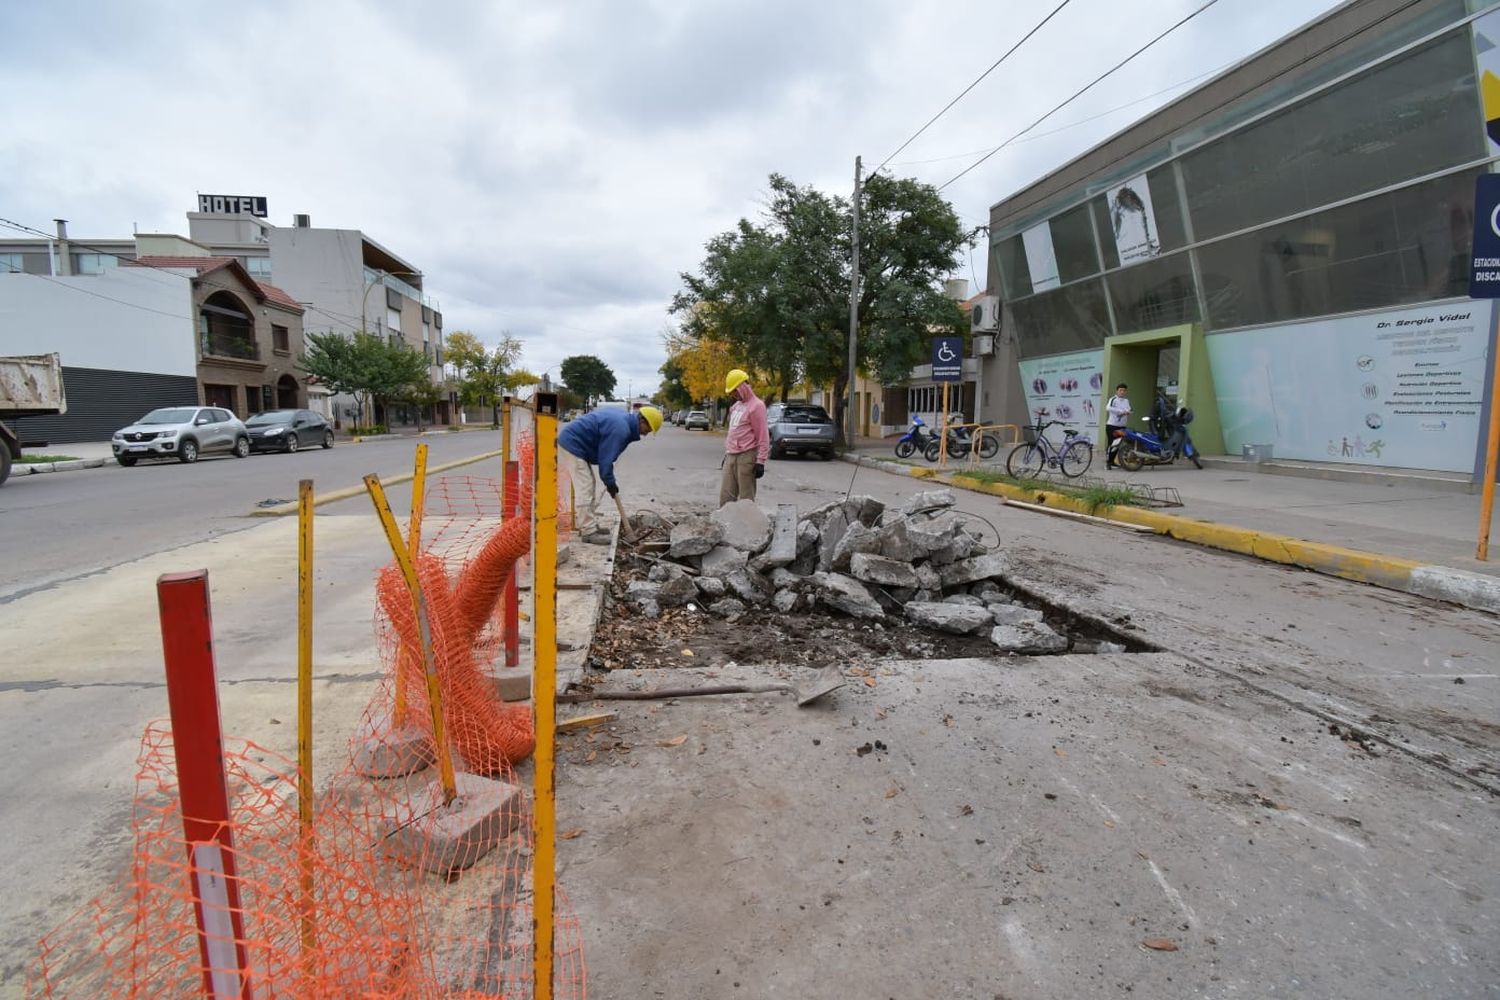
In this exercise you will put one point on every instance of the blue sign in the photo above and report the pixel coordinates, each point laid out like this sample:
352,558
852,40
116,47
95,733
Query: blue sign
948,355
1484,265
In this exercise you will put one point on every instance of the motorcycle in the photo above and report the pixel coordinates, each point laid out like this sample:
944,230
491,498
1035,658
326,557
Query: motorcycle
914,440
1134,450
960,442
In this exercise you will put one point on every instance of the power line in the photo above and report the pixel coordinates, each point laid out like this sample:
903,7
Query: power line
1078,93
1076,123
99,295
970,87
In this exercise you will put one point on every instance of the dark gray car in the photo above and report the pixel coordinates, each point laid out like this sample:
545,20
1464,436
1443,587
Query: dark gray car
799,428
288,430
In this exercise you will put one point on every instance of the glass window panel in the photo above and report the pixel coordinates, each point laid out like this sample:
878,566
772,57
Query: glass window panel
1403,247
1412,116
1153,294
1167,207
1100,207
1015,276
1073,245
1070,318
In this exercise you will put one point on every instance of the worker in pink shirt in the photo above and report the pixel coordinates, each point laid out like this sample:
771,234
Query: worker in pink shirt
748,442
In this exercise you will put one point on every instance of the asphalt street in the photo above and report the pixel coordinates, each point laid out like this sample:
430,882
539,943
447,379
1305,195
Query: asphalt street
62,526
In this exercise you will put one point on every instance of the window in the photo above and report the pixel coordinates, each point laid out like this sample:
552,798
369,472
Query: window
1073,245
12,263
1407,246
393,320
1153,294
281,340
1072,318
1413,116
1015,275
259,267
94,263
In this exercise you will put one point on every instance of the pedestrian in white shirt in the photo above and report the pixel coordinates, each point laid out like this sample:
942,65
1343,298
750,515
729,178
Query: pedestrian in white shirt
1114,424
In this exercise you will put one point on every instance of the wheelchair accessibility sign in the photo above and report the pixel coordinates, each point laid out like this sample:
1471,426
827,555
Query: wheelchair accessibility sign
947,359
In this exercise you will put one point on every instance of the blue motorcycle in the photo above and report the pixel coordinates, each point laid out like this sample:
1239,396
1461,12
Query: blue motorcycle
914,440
1134,450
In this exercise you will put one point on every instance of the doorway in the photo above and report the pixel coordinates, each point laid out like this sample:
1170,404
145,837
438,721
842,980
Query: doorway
1175,361
222,396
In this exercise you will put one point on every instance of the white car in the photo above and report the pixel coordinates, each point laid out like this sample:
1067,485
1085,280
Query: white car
183,433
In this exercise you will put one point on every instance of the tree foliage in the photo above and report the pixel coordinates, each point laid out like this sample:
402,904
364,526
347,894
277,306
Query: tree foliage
366,366
703,361
588,376
484,374
776,291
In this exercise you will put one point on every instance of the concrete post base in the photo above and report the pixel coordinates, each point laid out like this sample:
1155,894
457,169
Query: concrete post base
510,684
447,838
382,751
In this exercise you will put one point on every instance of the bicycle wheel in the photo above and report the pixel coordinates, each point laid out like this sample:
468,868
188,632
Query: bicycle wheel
989,447
1025,461
1076,459
904,449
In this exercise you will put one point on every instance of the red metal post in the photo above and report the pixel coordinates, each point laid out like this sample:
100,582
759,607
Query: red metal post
198,744
511,596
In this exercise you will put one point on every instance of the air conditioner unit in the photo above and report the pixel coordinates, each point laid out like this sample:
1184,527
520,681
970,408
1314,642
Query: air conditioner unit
984,345
986,316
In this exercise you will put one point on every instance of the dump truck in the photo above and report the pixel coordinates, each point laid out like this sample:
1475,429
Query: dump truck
30,385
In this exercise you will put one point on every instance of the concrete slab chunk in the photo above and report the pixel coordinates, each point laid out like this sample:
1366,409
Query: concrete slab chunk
746,526
721,560
857,538
441,838
977,568
873,568
783,545
832,532
958,619
928,500
846,594
384,751
1031,638
1014,614
694,536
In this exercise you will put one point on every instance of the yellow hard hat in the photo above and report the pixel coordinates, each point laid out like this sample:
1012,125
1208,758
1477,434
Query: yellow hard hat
653,417
734,378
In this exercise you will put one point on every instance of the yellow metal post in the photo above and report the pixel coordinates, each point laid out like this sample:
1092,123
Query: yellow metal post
424,630
413,549
305,720
943,430
504,448
544,694
1491,456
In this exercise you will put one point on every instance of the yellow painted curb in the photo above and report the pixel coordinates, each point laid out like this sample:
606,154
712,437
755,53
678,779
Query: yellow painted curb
353,491
1332,560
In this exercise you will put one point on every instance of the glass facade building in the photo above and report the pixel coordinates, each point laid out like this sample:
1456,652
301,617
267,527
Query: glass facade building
1286,247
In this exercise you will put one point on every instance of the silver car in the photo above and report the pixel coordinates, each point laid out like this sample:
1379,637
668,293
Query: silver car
800,428
695,420
183,433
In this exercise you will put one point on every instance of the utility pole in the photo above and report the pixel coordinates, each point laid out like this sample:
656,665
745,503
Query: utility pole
853,312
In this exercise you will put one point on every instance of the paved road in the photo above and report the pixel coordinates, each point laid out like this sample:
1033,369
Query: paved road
58,527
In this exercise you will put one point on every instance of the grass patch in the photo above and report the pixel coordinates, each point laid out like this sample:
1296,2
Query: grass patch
39,459
1094,497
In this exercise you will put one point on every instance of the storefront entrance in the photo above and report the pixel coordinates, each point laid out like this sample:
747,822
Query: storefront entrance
1172,357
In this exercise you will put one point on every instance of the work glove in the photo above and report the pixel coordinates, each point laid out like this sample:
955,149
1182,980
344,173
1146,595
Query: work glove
760,470
612,490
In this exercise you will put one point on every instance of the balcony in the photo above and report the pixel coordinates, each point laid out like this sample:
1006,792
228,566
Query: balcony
389,280
225,346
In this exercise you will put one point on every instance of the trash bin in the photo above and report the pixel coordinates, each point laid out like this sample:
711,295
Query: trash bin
1260,454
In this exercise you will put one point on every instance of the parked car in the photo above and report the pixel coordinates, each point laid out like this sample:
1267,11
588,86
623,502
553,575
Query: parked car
288,430
696,420
183,433
799,428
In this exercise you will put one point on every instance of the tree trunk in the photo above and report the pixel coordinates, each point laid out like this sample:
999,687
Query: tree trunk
840,384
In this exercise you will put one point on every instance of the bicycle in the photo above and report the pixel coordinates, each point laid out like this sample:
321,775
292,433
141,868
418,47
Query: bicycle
960,442
1027,460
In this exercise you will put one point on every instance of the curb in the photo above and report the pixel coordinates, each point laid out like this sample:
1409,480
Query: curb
1443,583
282,510
72,465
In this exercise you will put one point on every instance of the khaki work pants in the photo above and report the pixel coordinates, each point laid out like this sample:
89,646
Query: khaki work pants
738,482
585,492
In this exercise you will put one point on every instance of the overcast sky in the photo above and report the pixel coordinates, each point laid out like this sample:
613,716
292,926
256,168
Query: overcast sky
552,168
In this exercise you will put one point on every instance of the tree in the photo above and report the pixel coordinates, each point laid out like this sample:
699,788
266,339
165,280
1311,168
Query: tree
483,373
424,395
673,394
588,376
777,292
703,361
365,365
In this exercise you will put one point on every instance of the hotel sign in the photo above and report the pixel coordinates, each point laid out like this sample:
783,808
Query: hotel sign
230,204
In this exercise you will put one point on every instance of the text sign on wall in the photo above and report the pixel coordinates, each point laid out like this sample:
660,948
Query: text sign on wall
947,359
1484,265
232,204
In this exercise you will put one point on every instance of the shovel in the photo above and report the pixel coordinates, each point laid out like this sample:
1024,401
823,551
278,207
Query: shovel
626,532
831,681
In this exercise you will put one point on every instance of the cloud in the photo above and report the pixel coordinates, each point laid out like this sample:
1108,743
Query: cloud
552,168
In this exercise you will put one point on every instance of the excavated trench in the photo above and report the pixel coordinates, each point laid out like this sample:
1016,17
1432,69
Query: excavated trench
693,635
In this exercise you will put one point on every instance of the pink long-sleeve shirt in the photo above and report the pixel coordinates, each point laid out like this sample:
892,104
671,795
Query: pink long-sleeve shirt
747,428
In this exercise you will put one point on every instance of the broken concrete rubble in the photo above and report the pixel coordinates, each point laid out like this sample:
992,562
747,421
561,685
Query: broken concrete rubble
728,607
749,586
959,619
873,568
831,533
785,601
928,500
782,579
857,538
807,537
1031,638
1014,614
676,592
864,509
846,594
694,536
783,546
989,565
721,560
710,586
746,526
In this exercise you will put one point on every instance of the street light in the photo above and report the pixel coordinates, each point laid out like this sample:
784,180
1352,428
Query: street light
380,277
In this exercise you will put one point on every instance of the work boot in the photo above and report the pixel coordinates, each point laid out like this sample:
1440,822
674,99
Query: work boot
597,537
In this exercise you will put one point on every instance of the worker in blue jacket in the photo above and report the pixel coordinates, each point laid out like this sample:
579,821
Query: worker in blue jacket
599,438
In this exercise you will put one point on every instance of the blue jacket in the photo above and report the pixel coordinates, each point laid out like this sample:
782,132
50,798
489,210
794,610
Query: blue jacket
600,437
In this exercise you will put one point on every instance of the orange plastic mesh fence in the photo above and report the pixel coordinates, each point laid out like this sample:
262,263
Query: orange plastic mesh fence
399,912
